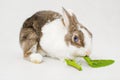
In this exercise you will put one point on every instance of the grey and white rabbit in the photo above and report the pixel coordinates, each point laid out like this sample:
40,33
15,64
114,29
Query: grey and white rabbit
48,33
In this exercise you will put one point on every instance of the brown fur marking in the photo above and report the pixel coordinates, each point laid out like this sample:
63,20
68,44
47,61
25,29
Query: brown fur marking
73,31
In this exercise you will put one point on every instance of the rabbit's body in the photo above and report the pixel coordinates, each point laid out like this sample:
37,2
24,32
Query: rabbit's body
46,33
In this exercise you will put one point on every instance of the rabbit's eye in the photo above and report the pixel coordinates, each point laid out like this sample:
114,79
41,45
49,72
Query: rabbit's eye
76,39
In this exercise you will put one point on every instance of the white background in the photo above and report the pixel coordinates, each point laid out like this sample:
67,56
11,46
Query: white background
101,17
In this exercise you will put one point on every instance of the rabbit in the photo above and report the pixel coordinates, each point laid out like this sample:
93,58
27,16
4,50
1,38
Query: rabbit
48,33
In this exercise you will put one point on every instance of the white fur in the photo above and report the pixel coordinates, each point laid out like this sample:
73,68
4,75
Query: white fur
53,42
36,58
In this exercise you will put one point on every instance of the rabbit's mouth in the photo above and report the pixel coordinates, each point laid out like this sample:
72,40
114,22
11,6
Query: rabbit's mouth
81,52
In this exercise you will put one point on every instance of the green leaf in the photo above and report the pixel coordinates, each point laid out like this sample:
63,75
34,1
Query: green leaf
98,63
73,64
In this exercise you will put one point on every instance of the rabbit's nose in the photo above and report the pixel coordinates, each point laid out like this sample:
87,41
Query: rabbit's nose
88,52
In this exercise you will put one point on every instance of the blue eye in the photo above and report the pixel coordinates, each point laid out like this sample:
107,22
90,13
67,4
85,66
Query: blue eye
76,39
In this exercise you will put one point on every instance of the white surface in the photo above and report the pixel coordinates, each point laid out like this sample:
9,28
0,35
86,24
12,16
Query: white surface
102,17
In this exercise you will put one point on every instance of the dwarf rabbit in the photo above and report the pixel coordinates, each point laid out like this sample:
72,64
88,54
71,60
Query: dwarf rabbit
48,33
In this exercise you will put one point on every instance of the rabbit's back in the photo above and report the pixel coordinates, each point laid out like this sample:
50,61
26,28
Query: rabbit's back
30,33
36,22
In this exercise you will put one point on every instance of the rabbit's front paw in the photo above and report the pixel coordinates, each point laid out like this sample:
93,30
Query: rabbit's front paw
36,58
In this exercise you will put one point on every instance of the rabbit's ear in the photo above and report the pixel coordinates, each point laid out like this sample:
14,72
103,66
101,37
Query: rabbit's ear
74,18
66,17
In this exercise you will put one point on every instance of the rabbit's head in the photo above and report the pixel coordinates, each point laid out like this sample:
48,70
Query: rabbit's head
78,36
